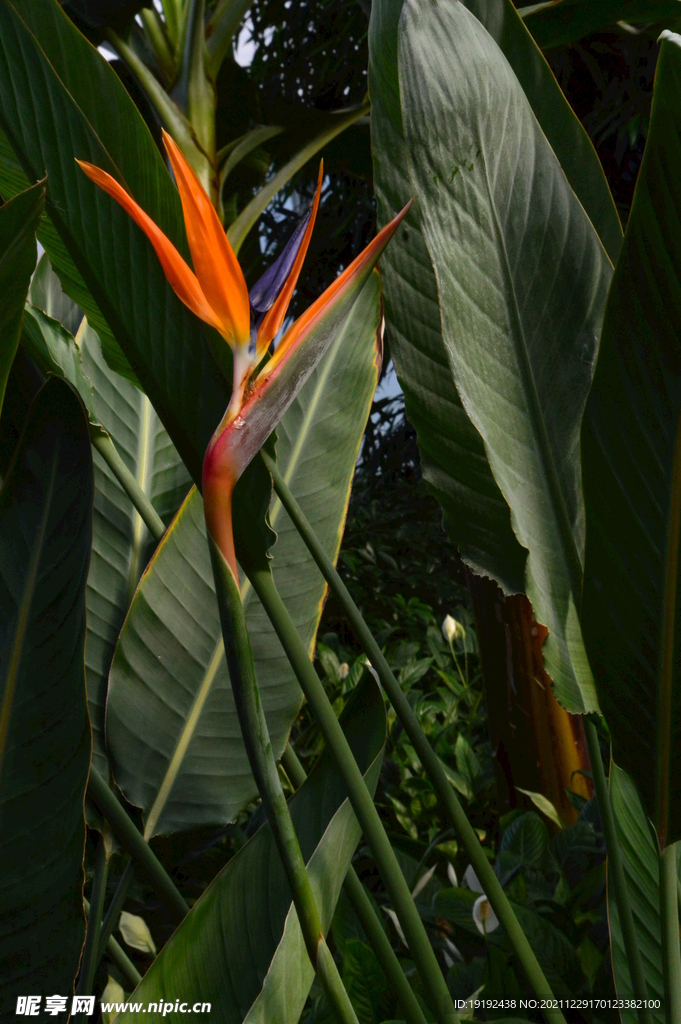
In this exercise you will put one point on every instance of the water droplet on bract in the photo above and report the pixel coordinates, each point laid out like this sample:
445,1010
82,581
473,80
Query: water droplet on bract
239,422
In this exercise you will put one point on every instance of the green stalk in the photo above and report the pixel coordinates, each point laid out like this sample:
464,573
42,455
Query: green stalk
149,515
616,869
421,951
195,95
158,43
428,757
170,115
669,921
118,957
172,9
132,840
114,912
90,959
220,30
264,767
356,893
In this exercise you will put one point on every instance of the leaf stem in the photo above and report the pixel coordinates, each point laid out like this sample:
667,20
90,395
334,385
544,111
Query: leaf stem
154,31
131,839
616,870
264,767
149,515
356,893
425,752
114,912
119,957
421,951
669,921
94,922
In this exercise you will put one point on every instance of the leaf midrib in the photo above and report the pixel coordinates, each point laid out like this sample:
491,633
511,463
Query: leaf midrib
139,530
21,627
571,556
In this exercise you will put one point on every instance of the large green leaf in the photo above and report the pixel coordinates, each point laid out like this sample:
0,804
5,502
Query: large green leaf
172,728
18,223
561,24
13,180
522,279
642,871
121,545
558,121
45,535
47,294
241,947
452,453
631,445
59,99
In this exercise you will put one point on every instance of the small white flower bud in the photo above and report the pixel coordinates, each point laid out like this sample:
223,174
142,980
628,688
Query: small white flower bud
452,629
483,915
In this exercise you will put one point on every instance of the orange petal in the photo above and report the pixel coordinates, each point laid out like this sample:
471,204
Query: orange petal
274,317
300,329
216,265
180,277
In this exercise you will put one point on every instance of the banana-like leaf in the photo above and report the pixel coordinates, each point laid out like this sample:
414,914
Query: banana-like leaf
59,100
558,121
241,946
642,872
562,23
13,180
54,351
121,544
172,728
45,536
522,278
19,220
631,444
452,452
46,293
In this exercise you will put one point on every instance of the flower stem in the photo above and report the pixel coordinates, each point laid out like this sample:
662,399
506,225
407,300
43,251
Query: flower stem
458,667
264,767
131,839
616,870
119,957
669,921
421,951
114,912
425,752
94,922
356,893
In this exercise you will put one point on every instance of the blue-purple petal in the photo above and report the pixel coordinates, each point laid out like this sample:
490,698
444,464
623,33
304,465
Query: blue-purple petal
264,292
